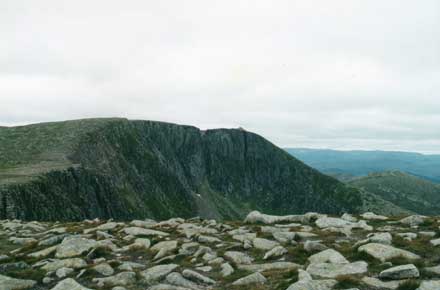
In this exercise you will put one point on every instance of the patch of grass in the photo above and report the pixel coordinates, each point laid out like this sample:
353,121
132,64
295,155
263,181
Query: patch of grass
29,274
298,254
430,256
257,254
429,224
428,275
409,285
345,282
397,261
236,275
374,266
283,278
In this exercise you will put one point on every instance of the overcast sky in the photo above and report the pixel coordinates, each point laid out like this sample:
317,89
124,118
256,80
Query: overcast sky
337,74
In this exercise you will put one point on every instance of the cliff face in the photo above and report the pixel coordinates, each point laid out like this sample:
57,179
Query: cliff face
136,169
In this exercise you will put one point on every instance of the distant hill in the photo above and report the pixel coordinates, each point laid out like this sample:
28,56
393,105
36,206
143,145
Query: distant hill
404,190
343,164
117,168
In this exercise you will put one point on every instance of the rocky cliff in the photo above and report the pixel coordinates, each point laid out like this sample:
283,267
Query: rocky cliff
117,168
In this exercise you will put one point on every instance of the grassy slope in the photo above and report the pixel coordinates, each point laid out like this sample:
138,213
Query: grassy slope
404,190
28,151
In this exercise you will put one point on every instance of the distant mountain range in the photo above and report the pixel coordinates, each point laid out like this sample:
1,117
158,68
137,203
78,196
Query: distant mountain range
347,164
123,169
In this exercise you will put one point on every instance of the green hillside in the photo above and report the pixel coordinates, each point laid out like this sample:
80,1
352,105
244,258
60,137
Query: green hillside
407,191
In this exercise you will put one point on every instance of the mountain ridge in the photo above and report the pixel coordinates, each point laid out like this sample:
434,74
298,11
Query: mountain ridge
119,168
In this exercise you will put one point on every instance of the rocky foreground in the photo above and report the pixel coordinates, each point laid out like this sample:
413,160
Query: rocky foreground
295,252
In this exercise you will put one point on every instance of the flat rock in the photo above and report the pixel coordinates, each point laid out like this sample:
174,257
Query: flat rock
381,238
69,284
386,252
435,242
264,244
269,266
327,284
163,248
429,285
143,224
433,270
329,270
275,252
43,253
373,216
74,263
313,246
400,272
74,246
258,217
64,272
378,284
167,287
238,257
326,222
284,237
120,279
157,272
328,256
177,279
348,217
413,220
137,231
193,275
226,269
104,269
255,278
8,283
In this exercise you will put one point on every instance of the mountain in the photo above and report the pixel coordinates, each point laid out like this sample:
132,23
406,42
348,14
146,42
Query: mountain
125,169
359,163
404,190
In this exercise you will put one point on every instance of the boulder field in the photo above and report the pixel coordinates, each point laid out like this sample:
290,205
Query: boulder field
311,251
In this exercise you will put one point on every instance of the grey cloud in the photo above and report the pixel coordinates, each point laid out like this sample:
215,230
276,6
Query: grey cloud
342,74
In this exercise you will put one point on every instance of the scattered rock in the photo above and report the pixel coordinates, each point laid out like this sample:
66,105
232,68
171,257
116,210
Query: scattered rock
386,252
255,278
400,272
74,246
264,244
330,270
413,220
373,216
238,257
429,285
136,231
192,275
157,272
69,284
8,283
121,279
275,252
328,256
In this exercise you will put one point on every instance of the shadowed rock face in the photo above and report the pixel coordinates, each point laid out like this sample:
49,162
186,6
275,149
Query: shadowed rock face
116,168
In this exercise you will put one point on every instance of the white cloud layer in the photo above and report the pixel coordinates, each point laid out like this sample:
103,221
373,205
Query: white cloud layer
342,74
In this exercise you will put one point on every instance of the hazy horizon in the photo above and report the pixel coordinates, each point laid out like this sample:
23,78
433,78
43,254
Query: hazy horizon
343,74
